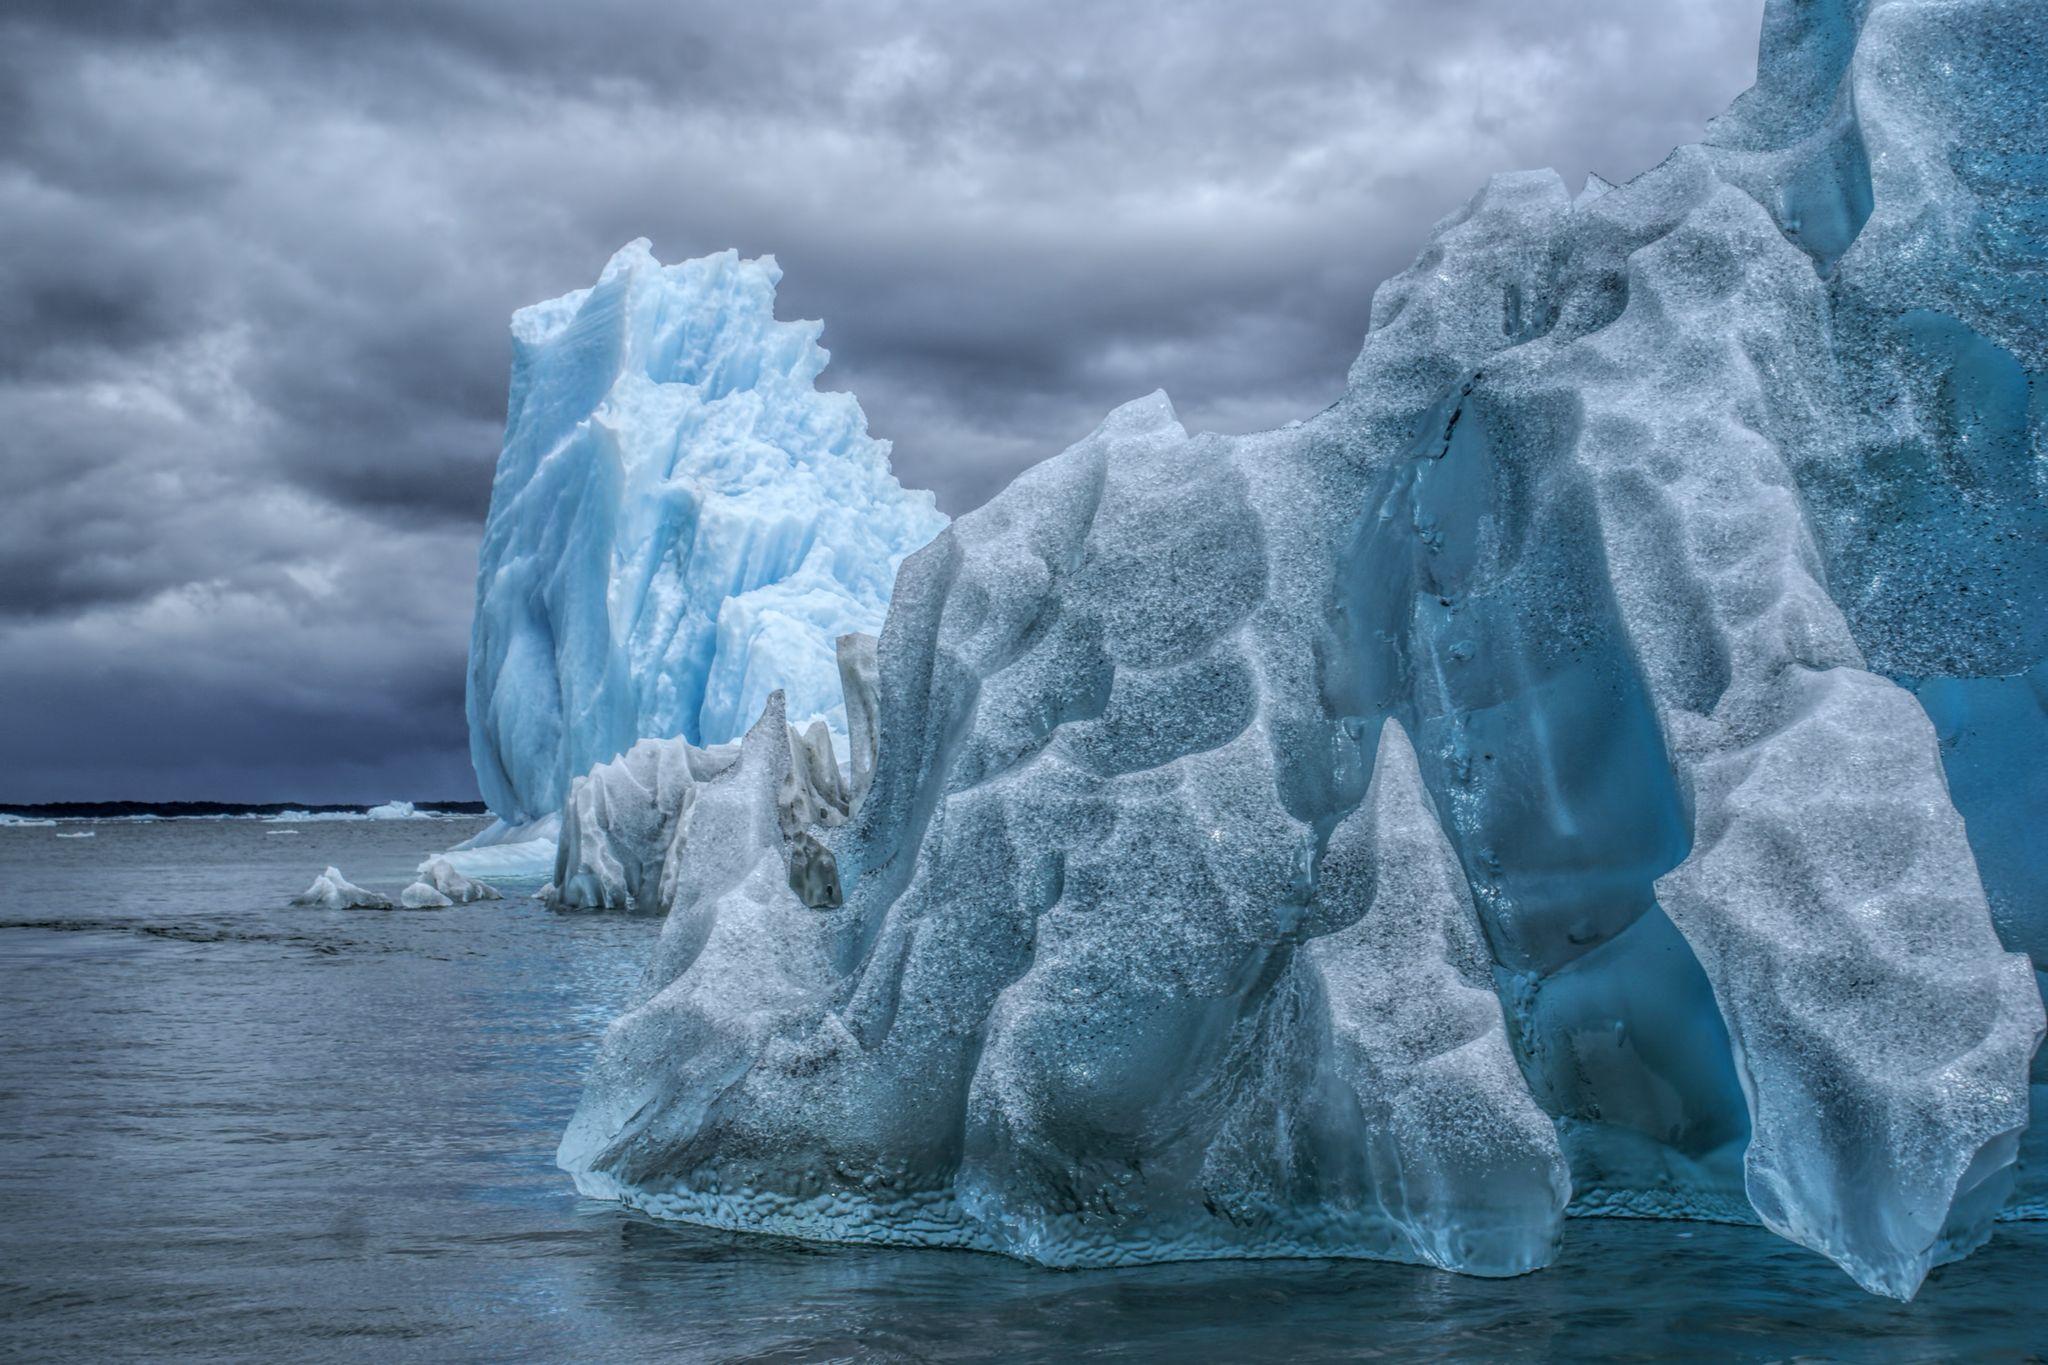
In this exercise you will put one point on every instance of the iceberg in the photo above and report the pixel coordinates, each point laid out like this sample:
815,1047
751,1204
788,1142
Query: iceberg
332,891
1594,767
680,524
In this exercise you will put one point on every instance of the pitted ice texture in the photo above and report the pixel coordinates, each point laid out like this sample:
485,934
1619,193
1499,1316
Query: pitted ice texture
1598,758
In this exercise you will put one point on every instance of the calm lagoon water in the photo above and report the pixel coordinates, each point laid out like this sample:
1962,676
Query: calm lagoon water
232,1129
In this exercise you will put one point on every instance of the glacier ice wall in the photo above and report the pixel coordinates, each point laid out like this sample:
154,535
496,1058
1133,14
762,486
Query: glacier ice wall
680,523
1592,761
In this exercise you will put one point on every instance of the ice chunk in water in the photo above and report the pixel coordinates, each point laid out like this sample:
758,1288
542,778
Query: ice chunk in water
441,884
332,891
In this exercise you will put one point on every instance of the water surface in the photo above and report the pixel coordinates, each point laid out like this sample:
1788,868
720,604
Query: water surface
230,1128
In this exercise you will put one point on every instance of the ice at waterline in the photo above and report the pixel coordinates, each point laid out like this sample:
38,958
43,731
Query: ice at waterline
1567,774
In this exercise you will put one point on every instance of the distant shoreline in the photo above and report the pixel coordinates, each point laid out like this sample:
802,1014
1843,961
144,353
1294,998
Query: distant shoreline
173,810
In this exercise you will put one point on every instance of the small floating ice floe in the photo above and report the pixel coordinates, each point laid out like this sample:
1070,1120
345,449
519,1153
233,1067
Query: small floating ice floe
440,886
332,891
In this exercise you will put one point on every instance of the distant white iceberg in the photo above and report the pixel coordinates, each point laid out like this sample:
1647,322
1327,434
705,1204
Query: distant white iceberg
390,810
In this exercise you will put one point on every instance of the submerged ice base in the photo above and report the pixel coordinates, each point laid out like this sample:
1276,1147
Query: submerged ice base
1587,763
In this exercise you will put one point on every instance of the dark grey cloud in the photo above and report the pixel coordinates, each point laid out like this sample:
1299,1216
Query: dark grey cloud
260,256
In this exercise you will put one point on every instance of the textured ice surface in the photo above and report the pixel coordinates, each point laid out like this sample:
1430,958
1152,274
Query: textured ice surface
332,891
440,883
621,821
681,523
1693,531
1465,1161
1079,902
629,825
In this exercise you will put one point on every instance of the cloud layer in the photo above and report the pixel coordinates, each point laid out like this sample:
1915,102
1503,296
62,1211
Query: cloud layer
260,259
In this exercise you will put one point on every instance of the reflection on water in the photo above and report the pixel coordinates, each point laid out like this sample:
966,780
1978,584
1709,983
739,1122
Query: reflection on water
228,1127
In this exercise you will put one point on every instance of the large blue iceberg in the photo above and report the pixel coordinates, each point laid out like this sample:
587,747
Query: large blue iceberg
680,524
1589,769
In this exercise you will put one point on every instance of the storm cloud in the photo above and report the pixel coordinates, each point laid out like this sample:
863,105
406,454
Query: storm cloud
259,259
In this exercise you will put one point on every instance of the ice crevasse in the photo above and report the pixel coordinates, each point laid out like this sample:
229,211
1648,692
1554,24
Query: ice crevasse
1593,767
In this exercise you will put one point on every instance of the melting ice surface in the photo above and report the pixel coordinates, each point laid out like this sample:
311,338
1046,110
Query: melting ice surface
1591,766
681,523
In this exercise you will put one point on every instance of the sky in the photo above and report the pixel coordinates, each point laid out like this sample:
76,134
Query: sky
259,257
